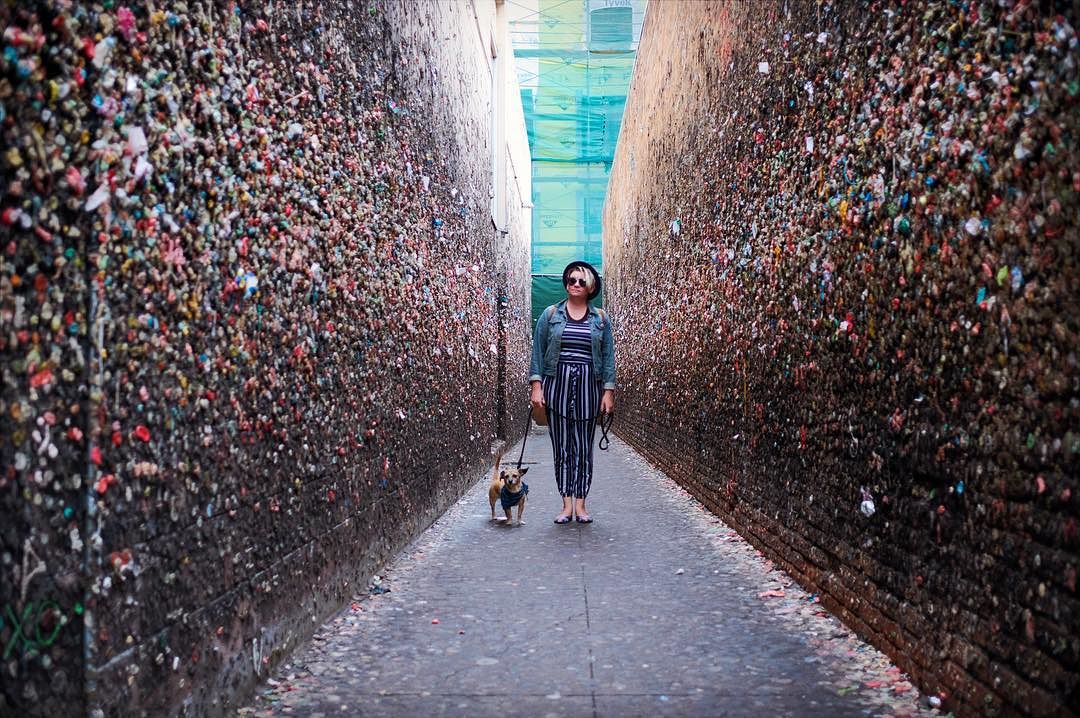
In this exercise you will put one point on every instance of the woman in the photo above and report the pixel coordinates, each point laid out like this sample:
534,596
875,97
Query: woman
573,379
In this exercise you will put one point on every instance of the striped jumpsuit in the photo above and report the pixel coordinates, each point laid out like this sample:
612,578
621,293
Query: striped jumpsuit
573,401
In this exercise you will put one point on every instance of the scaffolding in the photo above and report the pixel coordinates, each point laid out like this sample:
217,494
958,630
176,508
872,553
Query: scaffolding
574,60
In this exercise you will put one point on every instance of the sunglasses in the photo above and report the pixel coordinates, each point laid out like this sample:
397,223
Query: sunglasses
576,281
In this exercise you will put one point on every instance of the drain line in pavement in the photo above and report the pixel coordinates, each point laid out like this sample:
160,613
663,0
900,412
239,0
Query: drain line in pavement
588,634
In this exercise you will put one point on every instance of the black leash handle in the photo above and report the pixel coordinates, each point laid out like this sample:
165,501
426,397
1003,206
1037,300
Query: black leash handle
606,420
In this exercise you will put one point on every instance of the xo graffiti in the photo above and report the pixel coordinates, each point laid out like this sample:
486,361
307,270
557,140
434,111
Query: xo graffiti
34,628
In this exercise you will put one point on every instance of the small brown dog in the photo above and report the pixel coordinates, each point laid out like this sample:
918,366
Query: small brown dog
508,489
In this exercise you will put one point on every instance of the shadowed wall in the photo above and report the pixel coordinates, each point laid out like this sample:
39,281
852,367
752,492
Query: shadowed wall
250,327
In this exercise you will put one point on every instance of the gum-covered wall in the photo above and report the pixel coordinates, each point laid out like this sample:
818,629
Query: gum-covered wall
255,329
841,248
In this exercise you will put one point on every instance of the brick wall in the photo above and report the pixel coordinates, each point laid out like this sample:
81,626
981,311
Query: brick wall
252,309
852,227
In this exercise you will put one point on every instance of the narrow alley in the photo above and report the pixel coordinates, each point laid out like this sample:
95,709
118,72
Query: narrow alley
655,609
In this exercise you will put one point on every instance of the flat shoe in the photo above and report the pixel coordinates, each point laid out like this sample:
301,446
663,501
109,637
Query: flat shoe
563,520
585,520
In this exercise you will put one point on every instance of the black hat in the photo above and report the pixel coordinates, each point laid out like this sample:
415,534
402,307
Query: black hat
587,267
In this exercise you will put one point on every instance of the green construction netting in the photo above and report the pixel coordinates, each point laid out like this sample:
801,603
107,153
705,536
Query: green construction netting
574,60
547,289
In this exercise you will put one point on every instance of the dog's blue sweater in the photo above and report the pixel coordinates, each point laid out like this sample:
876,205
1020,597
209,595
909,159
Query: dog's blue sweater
509,500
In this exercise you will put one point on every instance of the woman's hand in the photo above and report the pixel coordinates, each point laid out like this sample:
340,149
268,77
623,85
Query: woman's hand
536,395
607,402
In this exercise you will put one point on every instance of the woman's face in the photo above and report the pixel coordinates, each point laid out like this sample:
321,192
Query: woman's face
575,285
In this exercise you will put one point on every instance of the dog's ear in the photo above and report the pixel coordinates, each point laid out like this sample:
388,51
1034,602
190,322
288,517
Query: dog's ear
502,475
523,471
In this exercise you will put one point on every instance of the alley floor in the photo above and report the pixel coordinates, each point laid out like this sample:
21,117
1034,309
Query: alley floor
657,608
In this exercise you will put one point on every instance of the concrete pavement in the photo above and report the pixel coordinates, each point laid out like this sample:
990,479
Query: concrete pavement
655,609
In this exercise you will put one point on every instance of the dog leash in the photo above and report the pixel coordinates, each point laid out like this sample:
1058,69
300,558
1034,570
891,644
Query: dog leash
524,436
603,420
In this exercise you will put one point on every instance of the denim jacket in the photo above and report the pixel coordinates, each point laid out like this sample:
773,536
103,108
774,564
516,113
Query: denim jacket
547,341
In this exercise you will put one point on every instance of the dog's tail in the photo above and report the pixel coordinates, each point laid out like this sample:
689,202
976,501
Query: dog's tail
498,448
